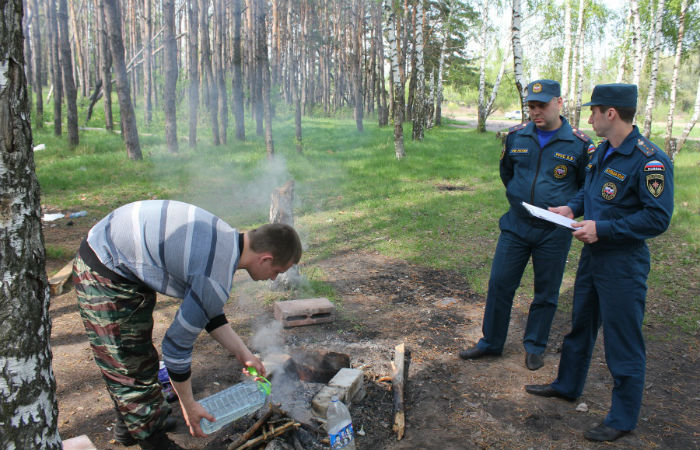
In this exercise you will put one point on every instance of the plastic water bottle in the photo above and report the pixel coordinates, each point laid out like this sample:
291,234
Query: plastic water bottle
166,386
340,425
78,214
235,402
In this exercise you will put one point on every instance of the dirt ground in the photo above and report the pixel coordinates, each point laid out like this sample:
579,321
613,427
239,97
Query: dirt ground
450,403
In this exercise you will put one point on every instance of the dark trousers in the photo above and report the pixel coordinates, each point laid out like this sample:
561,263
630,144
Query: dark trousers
610,290
521,239
118,319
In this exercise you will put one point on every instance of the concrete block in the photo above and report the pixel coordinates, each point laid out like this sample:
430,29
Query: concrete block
310,311
81,442
352,381
320,403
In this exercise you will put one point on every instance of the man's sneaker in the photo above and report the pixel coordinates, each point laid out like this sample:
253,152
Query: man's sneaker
159,441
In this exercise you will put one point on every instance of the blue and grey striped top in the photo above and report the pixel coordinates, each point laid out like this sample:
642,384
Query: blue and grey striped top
179,250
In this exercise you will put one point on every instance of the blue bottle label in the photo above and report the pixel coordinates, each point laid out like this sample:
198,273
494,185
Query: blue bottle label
342,438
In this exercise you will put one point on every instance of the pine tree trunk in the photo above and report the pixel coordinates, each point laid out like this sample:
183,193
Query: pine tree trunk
28,406
656,53
238,111
398,91
69,89
566,60
208,82
170,66
105,66
382,109
148,62
56,72
193,68
80,70
37,80
520,84
264,66
220,69
674,78
130,133
359,28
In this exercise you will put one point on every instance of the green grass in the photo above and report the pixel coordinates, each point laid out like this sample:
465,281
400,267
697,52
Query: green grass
438,207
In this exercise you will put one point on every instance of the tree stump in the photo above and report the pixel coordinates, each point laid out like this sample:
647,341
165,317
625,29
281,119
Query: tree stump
281,211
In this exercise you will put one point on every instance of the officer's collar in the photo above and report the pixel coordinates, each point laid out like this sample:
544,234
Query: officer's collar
628,143
564,133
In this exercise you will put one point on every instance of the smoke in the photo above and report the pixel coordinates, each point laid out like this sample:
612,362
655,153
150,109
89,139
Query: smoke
268,339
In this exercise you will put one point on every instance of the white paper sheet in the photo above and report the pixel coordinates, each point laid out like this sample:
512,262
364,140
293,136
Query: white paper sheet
549,216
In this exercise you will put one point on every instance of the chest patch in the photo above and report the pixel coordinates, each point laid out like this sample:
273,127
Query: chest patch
591,149
565,157
609,191
560,171
615,174
588,167
518,151
654,166
655,184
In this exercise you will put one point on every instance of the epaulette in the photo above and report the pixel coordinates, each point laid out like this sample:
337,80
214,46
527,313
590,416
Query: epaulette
646,146
516,128
581,135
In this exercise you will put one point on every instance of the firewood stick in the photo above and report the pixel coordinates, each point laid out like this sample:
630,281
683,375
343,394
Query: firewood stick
251,431
397,382
269,436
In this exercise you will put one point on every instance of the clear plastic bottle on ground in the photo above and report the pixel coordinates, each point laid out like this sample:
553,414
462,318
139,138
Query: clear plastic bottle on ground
235,402
166,386
339,425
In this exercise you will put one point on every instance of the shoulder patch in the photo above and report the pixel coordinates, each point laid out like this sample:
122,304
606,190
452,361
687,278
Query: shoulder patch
581,135
645,146
516,128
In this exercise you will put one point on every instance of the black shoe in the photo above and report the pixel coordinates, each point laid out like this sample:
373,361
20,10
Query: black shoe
159,441
473,353
603,433
534,361
546,390
122,435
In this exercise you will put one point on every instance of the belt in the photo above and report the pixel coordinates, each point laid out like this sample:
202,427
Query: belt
87,254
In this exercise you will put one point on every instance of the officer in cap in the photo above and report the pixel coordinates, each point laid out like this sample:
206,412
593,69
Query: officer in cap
543,163
627,198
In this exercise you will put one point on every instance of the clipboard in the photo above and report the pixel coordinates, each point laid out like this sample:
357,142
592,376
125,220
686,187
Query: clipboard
549,216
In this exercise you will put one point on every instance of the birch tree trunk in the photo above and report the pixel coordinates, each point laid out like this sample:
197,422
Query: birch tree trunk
656,53
193,68
69,89
625,48
520,84
674,78
129,130
28,406
398,91
691,124
636,41
481,103
147,62
441,69
238,112
578,67
170,66
37,80
418,114
382,109
566,60
105,66
56,73
578,55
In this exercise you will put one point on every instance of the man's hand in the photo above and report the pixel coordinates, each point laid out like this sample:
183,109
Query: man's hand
248,360
192,411
586,231
562,211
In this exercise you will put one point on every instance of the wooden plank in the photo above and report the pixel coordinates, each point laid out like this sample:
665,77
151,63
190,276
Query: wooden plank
397,381
57,282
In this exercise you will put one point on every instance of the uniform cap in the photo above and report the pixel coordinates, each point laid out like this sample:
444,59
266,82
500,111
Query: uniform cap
542,91
616,94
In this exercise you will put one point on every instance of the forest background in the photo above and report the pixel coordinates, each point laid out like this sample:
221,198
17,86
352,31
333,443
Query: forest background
219,102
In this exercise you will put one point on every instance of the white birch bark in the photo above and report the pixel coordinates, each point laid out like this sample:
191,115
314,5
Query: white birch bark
441,64
566,60
481,114
520,84
418,115
674,78
656,51
578,52
396,79
691,124
636,41
625,48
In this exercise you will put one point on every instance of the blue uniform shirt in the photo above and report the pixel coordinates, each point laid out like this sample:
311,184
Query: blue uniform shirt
543,176
629,194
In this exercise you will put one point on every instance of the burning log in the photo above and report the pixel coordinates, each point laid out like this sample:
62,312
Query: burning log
251,431
268,435
397,381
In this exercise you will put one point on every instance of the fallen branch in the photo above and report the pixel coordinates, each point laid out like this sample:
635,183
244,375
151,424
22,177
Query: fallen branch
251,431
271,434
397,382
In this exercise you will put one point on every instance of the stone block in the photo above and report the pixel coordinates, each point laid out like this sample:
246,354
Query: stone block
320,403
352,381
310,311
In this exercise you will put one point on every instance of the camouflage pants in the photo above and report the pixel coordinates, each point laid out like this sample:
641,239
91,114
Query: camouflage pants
118,318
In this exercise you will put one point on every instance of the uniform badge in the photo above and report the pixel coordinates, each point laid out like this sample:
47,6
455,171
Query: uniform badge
654,166
655,183
560,171
536,88
591,149
610,190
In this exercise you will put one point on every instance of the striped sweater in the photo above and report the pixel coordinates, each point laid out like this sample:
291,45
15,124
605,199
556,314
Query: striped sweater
179,250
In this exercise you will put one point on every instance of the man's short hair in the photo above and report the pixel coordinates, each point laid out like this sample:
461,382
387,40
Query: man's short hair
279,239
626,114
